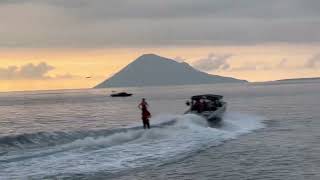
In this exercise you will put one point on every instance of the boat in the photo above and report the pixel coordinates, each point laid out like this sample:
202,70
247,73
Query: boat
121,94
209,106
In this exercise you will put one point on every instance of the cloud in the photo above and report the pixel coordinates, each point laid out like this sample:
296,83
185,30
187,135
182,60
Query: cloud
213,62
179,59
96,23
255,67
283,64
65,76
27,71
30,71
210,63
245,67
310,63
313,62
97,9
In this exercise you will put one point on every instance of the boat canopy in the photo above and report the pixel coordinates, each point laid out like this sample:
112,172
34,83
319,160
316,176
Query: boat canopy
211,97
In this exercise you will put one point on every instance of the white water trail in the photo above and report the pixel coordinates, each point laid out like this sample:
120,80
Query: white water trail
134,148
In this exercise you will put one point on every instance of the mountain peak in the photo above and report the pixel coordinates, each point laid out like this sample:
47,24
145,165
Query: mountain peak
150,57
154,70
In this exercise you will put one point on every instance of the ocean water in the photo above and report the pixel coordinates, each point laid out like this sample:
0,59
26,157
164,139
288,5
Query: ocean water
270,131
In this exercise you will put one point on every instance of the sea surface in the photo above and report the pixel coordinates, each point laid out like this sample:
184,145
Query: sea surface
270,131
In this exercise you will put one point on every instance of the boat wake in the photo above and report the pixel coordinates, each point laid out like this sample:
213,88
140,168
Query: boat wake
114,151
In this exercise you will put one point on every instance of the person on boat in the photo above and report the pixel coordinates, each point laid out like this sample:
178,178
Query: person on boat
197,106
203,105
143,106
212,106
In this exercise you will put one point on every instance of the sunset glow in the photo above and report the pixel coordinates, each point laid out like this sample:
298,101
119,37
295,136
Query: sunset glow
84,68
81,43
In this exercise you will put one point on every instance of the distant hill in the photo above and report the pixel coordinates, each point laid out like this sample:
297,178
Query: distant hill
291,81
153,70
299,79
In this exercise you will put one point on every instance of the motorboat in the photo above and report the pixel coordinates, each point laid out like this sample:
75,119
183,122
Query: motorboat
121,94
209,106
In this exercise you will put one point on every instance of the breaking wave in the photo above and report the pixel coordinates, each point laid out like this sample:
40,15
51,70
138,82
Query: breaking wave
117,150
47,139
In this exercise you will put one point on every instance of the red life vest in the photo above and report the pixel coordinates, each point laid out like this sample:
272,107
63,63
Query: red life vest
146,113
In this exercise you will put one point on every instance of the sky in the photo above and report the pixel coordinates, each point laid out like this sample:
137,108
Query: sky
59,44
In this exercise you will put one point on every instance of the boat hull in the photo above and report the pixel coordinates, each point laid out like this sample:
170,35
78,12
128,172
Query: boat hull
120,95
212,116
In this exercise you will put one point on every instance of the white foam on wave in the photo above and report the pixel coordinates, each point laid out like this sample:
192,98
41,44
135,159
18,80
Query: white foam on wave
239,123
134,148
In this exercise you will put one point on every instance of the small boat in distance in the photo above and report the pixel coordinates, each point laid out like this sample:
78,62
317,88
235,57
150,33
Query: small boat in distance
209,106
121,94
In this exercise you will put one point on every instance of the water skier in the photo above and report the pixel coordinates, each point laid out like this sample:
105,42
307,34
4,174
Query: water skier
143,106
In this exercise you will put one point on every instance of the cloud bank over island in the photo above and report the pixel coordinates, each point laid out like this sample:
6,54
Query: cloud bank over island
223,62
97,23
213,62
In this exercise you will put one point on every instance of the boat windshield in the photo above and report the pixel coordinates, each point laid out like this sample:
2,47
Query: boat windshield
202,103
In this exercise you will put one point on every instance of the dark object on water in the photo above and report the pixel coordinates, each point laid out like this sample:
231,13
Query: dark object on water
209,106
121,94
